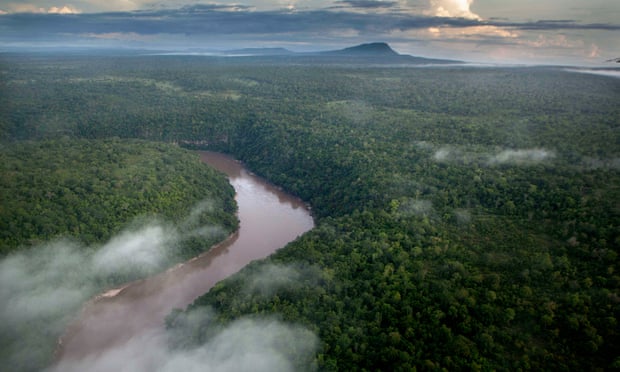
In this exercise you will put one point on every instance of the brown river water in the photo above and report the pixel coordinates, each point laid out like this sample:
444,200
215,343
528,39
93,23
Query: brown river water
269,219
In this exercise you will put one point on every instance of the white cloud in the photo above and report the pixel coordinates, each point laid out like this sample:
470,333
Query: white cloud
453,8
24,8
33,8
528,156
610,73
244,345
122,36
144,251
271,278
41,289
66,9
464,155
416,207
442,154
95,6
479,32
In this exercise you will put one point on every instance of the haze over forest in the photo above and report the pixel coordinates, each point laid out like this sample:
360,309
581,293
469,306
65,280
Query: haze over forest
461,160
566,32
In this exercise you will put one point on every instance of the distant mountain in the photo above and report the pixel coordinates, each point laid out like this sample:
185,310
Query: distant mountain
371,49
380,53
364,54
259,52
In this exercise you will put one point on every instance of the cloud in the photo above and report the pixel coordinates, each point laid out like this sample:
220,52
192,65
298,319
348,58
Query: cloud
228,20
453,9
416,207
445,28
484,31
454,154
248,344
354,110
527,156
144,251
32,8
368,4
516,157
603,72
462,155
205,8
24,8
463,216
448,13
66,9
558,25
270,278
121,36
41,289
196,340
443,154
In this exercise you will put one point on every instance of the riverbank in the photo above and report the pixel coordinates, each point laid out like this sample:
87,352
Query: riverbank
269,219
69,343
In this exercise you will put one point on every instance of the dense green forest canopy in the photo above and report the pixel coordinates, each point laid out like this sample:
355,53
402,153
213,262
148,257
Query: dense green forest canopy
90,190
467,217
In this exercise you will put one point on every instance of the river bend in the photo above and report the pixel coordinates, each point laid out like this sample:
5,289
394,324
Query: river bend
269,219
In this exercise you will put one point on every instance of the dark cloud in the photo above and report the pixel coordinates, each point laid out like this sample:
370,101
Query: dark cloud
424,22
552,25
214,20
206,20
368,4
198,8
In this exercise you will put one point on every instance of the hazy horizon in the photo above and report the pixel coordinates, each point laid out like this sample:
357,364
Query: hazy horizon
544,32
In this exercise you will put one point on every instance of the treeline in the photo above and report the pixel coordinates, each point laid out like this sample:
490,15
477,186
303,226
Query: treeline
467,217
90,190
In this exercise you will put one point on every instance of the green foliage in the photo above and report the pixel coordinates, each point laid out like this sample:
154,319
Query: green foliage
467,217
90,190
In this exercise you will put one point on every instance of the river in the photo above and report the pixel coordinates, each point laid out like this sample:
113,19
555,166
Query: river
268,219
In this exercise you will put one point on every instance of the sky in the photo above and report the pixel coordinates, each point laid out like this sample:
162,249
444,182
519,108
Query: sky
572,32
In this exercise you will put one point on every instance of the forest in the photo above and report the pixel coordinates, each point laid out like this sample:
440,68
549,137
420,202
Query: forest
91,189
66,203
467,217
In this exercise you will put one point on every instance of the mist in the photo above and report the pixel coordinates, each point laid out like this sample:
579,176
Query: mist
615,73
516,157
197,341
248,344
42,288
415,207
143,250
525,156
270,278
